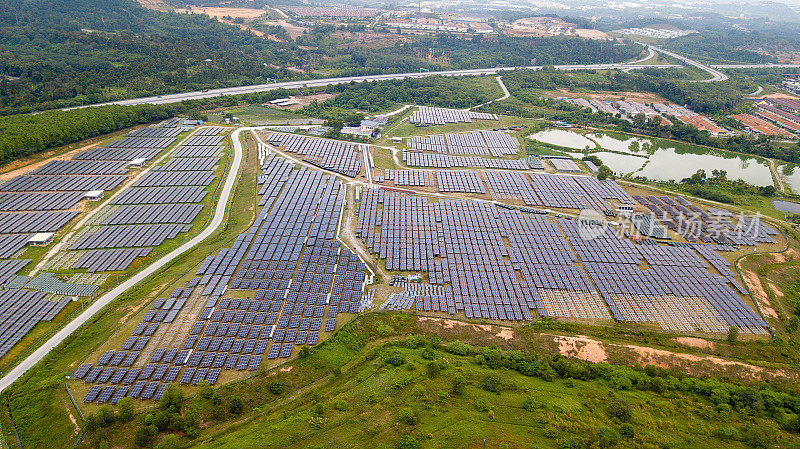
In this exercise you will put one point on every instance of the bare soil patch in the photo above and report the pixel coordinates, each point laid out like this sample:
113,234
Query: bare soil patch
23,166
220,12
760,296
294,31
695,342
72,419
581,347
641,97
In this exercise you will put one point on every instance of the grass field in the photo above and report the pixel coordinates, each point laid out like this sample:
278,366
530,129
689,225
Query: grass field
383,382
407,129
258,115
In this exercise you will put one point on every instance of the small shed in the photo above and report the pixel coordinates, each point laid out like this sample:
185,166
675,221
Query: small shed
41,239
94,195
138,162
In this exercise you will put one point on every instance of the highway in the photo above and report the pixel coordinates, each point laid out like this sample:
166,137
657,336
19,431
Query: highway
716,75
198,95
219,215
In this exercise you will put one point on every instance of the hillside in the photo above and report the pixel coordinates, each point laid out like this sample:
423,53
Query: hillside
396,381
59,54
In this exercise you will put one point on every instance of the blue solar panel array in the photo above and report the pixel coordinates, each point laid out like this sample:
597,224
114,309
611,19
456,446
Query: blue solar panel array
502,264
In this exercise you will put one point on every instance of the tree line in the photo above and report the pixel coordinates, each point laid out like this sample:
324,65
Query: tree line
26,134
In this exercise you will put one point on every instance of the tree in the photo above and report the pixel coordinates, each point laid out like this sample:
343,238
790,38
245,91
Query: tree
191,422
604,173
144,435
235,406
105,416
620,409
275,386
172,399
126,409
733,334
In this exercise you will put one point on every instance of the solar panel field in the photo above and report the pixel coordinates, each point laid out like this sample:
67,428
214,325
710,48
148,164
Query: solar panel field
51,204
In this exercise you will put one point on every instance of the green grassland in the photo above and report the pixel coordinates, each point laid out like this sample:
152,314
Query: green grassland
383,382
408,130
259,115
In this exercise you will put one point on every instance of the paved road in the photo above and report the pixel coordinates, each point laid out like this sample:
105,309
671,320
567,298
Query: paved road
502,85
754,66
650,54
716,75
176,98
61,335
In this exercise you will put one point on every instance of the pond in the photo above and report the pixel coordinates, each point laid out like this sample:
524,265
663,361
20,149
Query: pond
631,145
562,138
786,206
790,174
622,164
662,160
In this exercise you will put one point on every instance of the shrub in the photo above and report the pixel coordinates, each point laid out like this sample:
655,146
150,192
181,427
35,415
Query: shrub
761,437
457,385
620,409
627,430
407,442
492,382
126,409
433,368
305,351
493,358
726,433
414,342
393,357
407,416
482,406
235,406
733,334
428,354
573,442
530,404
275,386
457,348
144,435
317,422
607,437
341,405
384,330
169,442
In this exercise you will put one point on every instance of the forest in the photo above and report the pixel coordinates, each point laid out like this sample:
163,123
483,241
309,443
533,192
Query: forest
443,91
26,134
59,54
709,98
